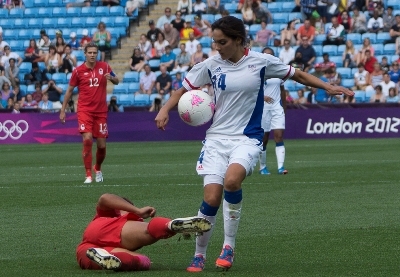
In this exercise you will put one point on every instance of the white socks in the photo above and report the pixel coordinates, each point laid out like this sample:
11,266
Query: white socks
231,222
263,159
280,155
202,241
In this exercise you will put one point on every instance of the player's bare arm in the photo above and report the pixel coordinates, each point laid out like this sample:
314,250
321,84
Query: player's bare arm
283,98
67,96
309,80
114,202
112,79
162,116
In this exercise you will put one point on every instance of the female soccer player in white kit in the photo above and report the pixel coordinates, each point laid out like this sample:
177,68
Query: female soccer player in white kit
234,140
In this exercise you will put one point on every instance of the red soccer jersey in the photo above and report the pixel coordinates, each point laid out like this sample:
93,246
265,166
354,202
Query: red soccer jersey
92,87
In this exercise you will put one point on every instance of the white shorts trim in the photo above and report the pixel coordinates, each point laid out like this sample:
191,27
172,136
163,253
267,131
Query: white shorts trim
212,179
273,119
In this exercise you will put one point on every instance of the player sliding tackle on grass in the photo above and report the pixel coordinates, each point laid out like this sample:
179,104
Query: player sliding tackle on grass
117,230
234,140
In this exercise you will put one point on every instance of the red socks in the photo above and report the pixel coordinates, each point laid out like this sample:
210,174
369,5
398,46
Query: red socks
100,156
87,156
132,263
158,228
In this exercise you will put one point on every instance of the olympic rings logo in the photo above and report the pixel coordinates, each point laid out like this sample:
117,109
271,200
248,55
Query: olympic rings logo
13,130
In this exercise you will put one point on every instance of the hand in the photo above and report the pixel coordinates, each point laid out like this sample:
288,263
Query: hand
147,212
269,100
162,119
337,90
108,76
62,116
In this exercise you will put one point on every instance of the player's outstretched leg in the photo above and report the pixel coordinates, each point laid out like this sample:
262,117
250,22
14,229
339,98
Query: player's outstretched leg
280,157
232,206
103,258
87,159
194,224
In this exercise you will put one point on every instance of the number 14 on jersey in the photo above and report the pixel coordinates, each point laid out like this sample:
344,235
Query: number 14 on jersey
221,82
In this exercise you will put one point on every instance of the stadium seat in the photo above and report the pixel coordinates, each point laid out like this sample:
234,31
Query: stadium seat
341,49
30,12
371,36
337,60
80,56
53,3
381,37
59,12
88,11
318,49
327,27
111,95
294,94
40,3
288,6
121,21
117,11
59,78
30,88
108,20
394,3
126,99
394,58
25,67
294,16
345,72
378,49
257,49
130,77
45,12
102,11
74,11
274,6
355,38
64,22
21,23
69,75
209,17
348,83
16,45
77,22
330,49
205,41
154,64
24,34
91,22
121,88
48,23
35,23
280,17
359,96
16,13
142,100
230,7
319,39
353,71
256,27
133,87
289,85
3,13
390,49
368,95
22,89
26,42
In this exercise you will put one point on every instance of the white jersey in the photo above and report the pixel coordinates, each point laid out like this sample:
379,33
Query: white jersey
272,89
238,91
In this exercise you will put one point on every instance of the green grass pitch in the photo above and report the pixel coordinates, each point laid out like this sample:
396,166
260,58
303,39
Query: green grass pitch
337,212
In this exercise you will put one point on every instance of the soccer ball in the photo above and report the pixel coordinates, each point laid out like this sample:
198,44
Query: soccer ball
196,107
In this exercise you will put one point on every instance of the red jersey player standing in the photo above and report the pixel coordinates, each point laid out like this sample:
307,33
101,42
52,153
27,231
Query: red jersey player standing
91,79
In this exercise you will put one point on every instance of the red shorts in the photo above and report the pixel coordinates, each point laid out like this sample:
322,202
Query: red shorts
95,123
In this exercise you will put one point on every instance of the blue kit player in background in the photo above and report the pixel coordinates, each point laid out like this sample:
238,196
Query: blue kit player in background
273,119
234,141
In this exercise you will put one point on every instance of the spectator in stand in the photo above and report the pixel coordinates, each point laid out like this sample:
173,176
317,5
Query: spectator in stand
247,13
213,6
345,20
113,106
388,19
53,60
375,77
6,91
54,93
178,23
361,78
249,37
199,7
393,96
394,31
336,33
44,47
213,50
171,35
176,82
395,72
386,84
261,13
2,45
59,34
37,95
32,53
36,75
298,61
263,35
334,77
163,87
3,78
187,30
147,81
16,108
197,57
366,46
102,38
29,103
11,72
110,3
202,25
132,5
318,24
10,103
308,54
349,55
322,9
358,22
225,13
286,55
166,18
369,61
45,105
79,3
73,43
378,96
8,55
182,61
326,63
317,71
185,7
307,8
145,47
152,34
40,42
136,62
385,66
372,5
68,60
289,33
333,9
85,38
306,30
60,45
17,4
168,59
191,44
375,23
300,97
321,96
159,45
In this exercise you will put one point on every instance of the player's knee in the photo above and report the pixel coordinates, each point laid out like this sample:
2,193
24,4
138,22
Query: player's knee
213,200
232,183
